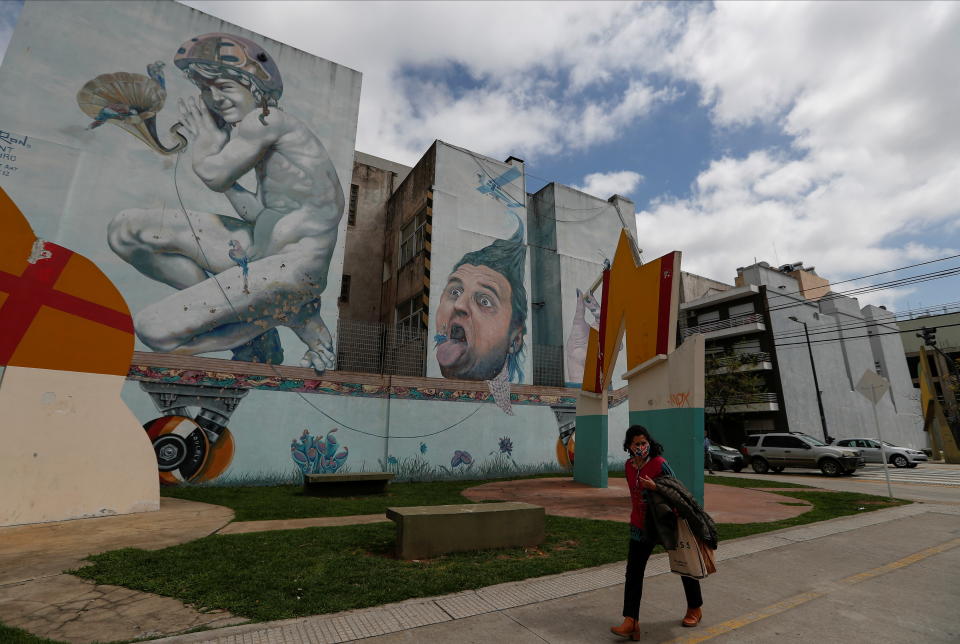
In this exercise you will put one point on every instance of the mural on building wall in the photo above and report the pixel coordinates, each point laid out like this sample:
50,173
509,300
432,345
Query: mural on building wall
481,318
318,454
586,316
65,331
118,175
202,168
238,276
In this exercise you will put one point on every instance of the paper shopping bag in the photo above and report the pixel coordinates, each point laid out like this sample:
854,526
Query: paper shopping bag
709,558
687,559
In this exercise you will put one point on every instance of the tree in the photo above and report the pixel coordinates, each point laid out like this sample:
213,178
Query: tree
729,382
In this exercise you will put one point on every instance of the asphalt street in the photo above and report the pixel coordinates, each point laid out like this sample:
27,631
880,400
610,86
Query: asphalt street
927,483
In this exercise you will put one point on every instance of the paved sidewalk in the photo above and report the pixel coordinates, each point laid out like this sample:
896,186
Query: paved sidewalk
568,498
586,602
243,527
35,596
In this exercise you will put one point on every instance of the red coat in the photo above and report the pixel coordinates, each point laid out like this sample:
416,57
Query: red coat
652,469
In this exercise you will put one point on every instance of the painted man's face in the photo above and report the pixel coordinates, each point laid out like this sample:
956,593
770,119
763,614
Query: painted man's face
474,314
228,98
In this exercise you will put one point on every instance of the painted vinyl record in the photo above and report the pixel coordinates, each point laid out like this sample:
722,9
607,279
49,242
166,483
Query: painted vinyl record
181,447
219,457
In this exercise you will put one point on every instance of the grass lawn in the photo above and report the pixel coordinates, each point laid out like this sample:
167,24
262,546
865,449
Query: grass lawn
10,635
292,573
748,482
258,503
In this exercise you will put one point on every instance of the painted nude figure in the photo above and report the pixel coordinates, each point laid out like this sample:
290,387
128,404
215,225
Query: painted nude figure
576,347
240,276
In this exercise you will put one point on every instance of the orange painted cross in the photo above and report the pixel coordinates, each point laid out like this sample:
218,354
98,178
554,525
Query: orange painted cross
57,309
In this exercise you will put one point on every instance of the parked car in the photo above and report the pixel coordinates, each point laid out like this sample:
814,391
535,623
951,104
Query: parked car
775,451
726,458
897,456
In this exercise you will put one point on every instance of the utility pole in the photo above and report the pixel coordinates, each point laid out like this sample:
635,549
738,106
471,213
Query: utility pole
816,383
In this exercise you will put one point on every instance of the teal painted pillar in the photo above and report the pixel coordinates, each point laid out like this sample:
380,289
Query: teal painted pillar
666,397
590,457
680,431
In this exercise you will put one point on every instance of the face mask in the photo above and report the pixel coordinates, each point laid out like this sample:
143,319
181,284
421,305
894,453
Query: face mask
642,450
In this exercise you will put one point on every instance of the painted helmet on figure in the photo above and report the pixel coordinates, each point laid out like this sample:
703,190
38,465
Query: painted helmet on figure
219,54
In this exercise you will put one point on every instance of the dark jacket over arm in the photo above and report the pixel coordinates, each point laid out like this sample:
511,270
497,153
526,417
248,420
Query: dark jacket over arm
669,496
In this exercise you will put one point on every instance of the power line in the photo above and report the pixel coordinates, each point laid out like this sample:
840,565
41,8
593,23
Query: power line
862,277
905,281
848,326
855,337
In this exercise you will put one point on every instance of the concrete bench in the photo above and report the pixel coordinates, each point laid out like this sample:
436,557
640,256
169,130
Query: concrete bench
428,531
346,484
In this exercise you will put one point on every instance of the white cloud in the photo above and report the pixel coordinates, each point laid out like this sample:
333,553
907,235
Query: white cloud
873,160
519,55
866,92
606,184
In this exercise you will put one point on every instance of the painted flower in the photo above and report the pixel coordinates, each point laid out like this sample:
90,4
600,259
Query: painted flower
506,446
461,457
316,455
392,460
423,448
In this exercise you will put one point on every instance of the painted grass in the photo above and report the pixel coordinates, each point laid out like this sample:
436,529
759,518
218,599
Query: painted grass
282,574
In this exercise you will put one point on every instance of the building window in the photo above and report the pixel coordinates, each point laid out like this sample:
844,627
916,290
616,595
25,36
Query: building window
409,314
352,212
740,309
747,346
345,288
411,237
709,316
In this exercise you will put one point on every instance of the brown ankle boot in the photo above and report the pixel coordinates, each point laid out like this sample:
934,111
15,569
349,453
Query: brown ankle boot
626,629
692,618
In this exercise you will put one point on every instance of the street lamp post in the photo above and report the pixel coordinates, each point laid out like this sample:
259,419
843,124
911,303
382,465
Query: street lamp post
816,383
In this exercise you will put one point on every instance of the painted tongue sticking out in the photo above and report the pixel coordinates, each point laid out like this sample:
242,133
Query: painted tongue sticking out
453,349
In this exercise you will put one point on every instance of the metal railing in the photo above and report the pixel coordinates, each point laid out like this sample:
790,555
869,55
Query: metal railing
751,399
729,323
741,360
548,365
372,347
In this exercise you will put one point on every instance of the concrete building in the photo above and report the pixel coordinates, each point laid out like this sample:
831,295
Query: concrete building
947,327
942,360
372,184
396,228
764,314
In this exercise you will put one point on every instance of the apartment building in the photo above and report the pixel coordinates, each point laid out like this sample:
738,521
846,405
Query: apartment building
810,348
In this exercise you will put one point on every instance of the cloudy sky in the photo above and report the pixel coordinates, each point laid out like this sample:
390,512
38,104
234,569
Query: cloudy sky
822,132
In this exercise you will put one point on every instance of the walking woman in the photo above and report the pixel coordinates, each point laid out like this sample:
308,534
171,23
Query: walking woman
645,465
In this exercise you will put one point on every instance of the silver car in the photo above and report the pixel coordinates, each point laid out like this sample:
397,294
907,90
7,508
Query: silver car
897,456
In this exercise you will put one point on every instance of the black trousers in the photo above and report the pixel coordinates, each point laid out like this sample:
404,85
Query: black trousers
633,590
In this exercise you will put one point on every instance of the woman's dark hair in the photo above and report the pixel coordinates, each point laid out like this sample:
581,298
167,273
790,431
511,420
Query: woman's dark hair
656,449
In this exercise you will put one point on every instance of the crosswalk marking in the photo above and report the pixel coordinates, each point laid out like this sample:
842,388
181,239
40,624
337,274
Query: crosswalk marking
927,474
